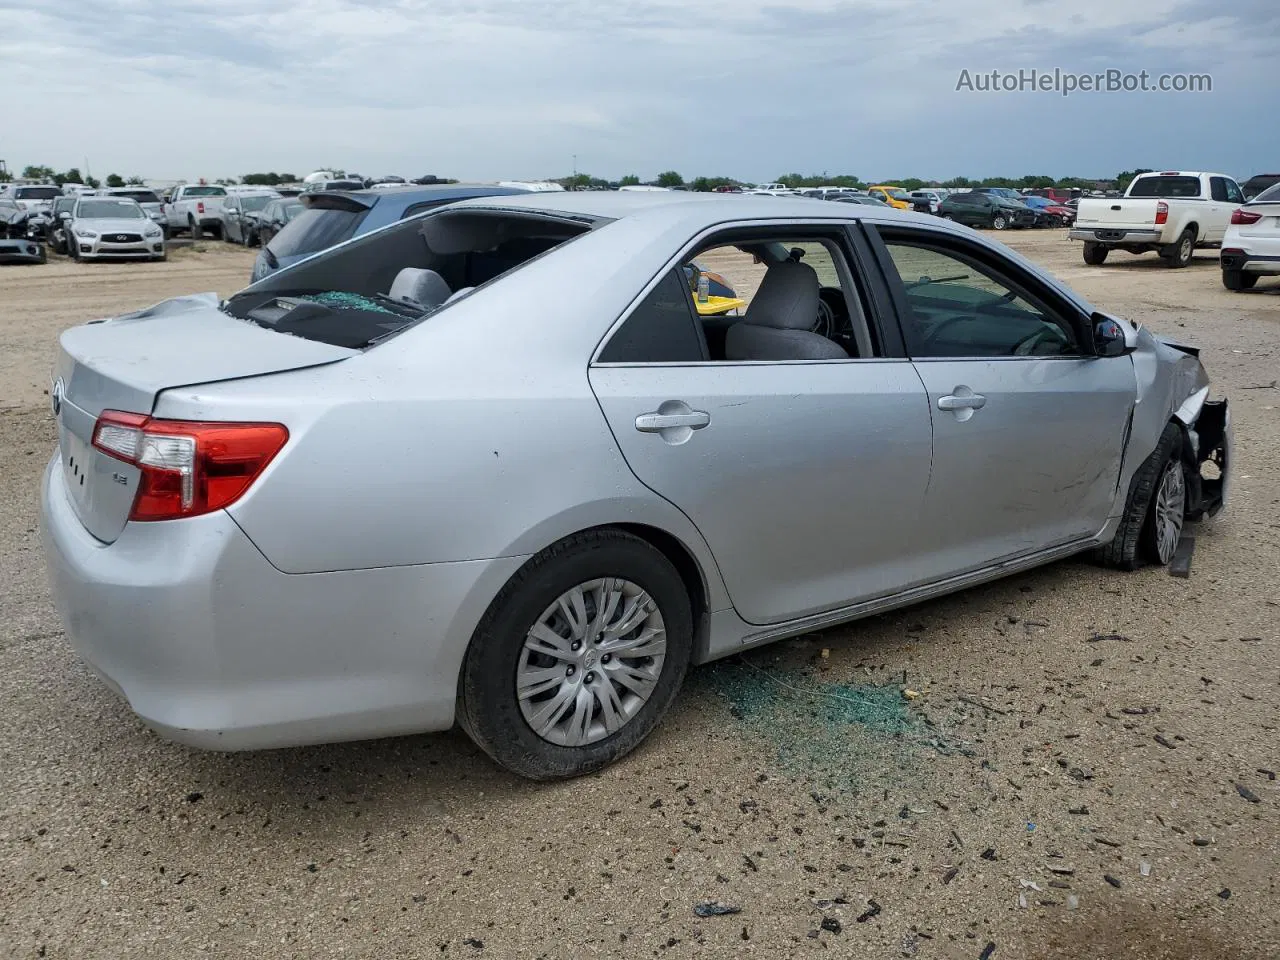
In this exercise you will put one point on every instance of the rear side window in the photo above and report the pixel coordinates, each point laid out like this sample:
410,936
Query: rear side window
660,330
1165,187
315,229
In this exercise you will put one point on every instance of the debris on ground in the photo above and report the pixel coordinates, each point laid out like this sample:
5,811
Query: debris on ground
873,909
713,908
831,925
1144,869
987,951
1247,793
1111,880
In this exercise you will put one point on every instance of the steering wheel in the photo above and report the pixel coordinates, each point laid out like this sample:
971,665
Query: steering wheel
944,323
1026,347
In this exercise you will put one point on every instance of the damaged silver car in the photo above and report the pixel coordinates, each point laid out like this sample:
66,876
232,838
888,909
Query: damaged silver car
500,465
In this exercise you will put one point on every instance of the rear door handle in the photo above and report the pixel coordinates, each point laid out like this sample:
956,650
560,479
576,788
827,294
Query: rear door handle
657,422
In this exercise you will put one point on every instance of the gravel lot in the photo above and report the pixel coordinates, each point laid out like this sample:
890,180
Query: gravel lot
1072,725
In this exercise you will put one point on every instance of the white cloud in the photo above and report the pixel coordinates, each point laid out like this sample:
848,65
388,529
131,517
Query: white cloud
493,88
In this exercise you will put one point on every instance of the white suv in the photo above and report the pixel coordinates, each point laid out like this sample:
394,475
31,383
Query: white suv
1251,245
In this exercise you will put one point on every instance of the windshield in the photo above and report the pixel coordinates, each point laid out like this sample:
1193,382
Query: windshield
142,196
109,210
37,193
315,229
1165,187
204,192
255,203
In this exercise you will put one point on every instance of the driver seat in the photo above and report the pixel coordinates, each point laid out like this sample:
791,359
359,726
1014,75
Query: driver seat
779,321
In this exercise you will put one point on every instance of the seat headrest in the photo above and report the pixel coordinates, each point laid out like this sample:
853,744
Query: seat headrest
787,298
425,288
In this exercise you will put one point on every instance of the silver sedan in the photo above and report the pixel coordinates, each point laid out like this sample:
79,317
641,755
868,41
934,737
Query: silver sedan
112,227
505,464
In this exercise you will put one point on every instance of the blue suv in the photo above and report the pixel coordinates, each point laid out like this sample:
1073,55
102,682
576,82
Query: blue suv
331,216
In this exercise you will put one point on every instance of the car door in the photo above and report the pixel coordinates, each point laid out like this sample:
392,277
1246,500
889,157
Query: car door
1028,424
805,477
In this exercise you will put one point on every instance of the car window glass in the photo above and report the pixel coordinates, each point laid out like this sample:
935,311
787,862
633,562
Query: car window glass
1218,189
662,329
958,308
1234,195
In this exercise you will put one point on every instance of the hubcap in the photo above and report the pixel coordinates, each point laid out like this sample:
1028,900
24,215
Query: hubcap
1171,504
1185,252
590,662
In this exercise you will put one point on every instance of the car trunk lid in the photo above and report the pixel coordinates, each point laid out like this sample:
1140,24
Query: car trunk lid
126,362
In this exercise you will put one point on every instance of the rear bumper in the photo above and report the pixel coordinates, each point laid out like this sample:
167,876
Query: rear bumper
214,647
1123,236
1248,262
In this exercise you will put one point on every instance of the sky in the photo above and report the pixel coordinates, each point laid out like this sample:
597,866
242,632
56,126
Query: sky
530,89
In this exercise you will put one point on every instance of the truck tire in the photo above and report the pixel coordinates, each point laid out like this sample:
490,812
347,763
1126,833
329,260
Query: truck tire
1238,280
1095,254
1180,254
194,227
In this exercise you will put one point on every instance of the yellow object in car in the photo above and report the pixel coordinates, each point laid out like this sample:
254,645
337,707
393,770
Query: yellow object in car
895,197
717,306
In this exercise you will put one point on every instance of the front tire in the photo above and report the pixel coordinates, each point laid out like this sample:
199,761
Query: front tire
999,221
578,657
1154,507
1238,280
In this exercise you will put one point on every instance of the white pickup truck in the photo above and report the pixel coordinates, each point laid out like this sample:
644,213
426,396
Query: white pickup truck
1172,213
195,207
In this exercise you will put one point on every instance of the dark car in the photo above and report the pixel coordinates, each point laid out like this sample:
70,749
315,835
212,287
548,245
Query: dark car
1256,184
275,215
976,209
332,217
15,245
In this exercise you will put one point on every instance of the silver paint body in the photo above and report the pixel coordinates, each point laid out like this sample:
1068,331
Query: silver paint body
336,599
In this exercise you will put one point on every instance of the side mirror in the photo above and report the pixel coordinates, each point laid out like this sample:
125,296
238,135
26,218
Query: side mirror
1110,339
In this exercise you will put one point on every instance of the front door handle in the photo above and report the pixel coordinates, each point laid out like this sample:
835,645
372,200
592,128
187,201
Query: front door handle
657,422
971,401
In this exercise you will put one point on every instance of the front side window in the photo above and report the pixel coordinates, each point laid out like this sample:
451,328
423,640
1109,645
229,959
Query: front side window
959,307
1234,194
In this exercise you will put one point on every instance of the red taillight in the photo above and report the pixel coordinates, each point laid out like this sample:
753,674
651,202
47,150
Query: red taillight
1245,216
199,206
187,467
1162,212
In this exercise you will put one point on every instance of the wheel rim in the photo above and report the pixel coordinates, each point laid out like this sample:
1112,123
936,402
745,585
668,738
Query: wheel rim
1171,500
590,662
1185,250
998,223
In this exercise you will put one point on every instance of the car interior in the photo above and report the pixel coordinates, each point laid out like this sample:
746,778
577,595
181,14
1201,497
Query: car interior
379,284
801,310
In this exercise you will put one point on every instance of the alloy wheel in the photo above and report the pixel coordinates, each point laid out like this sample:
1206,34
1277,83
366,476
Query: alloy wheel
1171,505
590,662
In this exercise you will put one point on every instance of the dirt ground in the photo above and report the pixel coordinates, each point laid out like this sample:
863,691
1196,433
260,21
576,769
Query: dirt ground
1083,773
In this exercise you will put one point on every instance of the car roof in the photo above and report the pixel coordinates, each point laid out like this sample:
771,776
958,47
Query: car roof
710,207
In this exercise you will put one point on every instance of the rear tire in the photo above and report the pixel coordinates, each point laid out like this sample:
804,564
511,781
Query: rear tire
196,233
1095,254
1136,540
501,721
1180,254
1238,280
